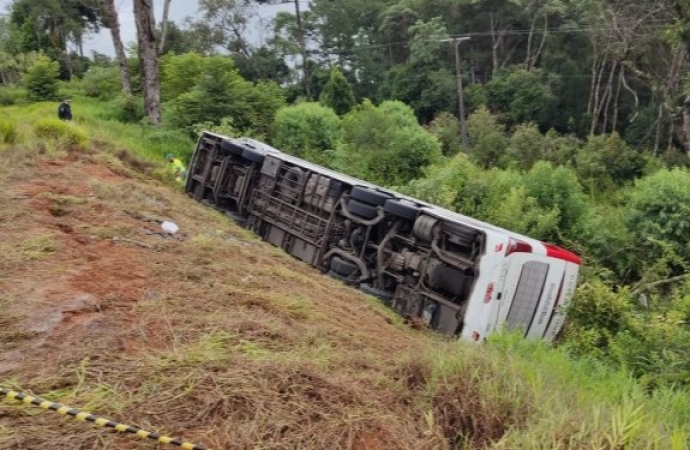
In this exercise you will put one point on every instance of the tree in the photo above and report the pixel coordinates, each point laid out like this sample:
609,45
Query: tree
657,211
251,108
148,59
112,21
164,27
337,94
607,158
102,82
488,142
447,130
306,129
521,96
50,25
385,144
41,79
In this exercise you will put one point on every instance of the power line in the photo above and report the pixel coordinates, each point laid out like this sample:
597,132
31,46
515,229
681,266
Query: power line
519,32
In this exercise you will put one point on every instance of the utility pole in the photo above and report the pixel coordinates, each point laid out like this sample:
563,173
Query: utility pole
461,101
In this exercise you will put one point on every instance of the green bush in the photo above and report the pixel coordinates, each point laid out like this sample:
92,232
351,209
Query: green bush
488,141
447,130
10,96
607,158
178,72
41,80
63,132
102,82
519,96
128,109
337,94
306,127
658,207
221,92
8,131
385,144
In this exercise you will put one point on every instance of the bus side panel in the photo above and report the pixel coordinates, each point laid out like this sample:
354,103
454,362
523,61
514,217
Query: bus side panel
480,317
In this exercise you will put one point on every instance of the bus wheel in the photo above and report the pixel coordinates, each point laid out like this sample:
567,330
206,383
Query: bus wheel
362,210
369,289
369,196
342,266
401,209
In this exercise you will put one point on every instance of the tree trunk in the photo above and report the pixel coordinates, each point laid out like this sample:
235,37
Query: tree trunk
657,136
608,96
594,93
114,22
303,49
495,44
164,26
614,123
686,124
537,54
148,59
528,58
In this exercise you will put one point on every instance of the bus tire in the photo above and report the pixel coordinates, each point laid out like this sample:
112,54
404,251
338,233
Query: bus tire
362,210
342,266
369,289
369,196
401,209
253,155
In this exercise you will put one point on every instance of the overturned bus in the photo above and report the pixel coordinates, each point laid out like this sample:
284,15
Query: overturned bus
457,275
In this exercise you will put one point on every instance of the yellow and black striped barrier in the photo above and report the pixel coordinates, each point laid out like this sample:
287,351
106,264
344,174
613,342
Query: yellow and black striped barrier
100,421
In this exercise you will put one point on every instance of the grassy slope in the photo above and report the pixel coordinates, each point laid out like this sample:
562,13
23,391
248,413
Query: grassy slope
228,342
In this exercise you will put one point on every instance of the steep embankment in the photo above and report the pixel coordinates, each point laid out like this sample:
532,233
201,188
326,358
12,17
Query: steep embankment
221,339
212,335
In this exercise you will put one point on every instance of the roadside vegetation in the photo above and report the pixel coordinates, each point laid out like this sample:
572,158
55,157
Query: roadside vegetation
227,341
576,114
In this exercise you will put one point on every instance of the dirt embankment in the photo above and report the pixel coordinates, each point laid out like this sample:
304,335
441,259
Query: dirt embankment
211,335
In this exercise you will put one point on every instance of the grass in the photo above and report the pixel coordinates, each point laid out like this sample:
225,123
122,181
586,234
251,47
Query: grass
229,342
91,117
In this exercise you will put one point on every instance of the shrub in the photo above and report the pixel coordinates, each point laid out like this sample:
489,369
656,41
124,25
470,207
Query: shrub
608,158
221,92
658,210
62,132
447,130
488,141
385,144
102,82
8,132
128,109
41,79
9,96
178,72
306,127
337,94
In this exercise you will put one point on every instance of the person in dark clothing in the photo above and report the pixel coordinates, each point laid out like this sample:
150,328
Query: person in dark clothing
65,110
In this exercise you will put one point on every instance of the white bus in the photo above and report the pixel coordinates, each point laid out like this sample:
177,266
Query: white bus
455,274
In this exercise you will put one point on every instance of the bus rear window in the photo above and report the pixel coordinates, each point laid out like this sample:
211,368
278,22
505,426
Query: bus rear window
527,295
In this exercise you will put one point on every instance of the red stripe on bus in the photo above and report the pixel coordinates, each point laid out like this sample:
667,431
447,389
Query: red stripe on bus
565,255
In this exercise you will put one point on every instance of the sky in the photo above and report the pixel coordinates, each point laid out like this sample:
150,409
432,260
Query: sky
179,10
